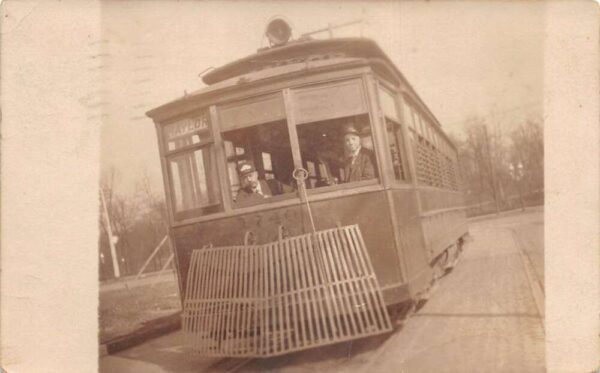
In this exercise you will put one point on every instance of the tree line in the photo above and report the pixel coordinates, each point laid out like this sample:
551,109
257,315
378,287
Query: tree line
139,223
501,171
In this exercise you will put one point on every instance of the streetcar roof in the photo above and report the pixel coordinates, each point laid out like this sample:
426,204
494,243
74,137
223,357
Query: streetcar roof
349,47
287,59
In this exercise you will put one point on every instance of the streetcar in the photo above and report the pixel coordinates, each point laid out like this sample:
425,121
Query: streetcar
323,249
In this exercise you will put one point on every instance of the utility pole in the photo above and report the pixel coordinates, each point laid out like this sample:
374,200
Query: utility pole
519,173
492,172
111,238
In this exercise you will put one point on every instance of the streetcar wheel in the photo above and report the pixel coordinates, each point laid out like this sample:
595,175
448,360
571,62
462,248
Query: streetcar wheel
400,312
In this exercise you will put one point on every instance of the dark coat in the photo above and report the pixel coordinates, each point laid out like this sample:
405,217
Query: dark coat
363,167
246,197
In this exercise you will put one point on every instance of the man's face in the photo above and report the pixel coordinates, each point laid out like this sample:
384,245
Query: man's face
250,180
351,143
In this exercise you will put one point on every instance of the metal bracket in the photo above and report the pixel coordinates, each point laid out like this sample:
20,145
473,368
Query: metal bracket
249,238
282,232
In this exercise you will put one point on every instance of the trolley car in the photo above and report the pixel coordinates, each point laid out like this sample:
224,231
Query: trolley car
321,258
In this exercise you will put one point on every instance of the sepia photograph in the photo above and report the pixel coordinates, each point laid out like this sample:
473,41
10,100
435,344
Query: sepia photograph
342,186
329,187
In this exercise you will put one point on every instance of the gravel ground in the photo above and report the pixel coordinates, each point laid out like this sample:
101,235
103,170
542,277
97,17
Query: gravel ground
124,310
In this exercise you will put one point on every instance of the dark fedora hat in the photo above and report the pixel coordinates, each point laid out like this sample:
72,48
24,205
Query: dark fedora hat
350,128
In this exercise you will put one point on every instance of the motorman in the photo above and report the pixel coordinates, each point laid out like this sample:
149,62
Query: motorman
358,161
252,190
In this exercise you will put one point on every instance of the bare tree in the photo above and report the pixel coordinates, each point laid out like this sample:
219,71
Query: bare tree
484,162
138,219
528,149
122,215
495,167
153,217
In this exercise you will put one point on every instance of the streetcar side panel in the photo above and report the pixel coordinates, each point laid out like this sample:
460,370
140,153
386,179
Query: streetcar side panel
412,246
443,219
369,210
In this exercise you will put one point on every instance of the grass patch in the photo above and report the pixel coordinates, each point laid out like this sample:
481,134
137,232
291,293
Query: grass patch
124,310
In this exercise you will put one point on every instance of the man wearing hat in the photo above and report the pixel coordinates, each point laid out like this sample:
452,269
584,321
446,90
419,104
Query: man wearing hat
358,161
251,190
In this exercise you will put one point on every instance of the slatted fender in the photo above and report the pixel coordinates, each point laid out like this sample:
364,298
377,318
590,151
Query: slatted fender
297,293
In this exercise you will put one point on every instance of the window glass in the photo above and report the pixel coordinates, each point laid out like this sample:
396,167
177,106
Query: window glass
415,119
267,148
337,151
194,182
407,114
267,165
412,118
388,104
430,131
395,145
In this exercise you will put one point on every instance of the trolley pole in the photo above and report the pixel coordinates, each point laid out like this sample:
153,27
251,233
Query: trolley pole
111,241
330,27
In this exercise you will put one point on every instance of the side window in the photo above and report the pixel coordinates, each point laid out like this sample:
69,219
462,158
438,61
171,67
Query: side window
395,146
420,146
394,133
434,166
192,167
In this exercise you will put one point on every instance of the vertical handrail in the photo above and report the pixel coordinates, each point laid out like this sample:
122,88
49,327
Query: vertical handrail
300,175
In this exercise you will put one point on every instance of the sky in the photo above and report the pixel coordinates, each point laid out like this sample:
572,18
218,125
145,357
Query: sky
464,59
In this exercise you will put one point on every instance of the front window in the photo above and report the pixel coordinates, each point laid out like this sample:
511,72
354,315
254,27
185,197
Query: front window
334,133
194,183
337,151
255,136
266,148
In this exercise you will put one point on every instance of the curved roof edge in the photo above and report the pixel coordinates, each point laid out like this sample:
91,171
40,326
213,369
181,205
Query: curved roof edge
350,47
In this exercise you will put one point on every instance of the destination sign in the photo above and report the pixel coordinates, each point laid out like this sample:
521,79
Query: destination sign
186,127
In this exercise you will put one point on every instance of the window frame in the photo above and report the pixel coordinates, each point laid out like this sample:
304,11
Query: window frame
218,149
228,182
198,211
370,112
168,155
399,132
436,141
